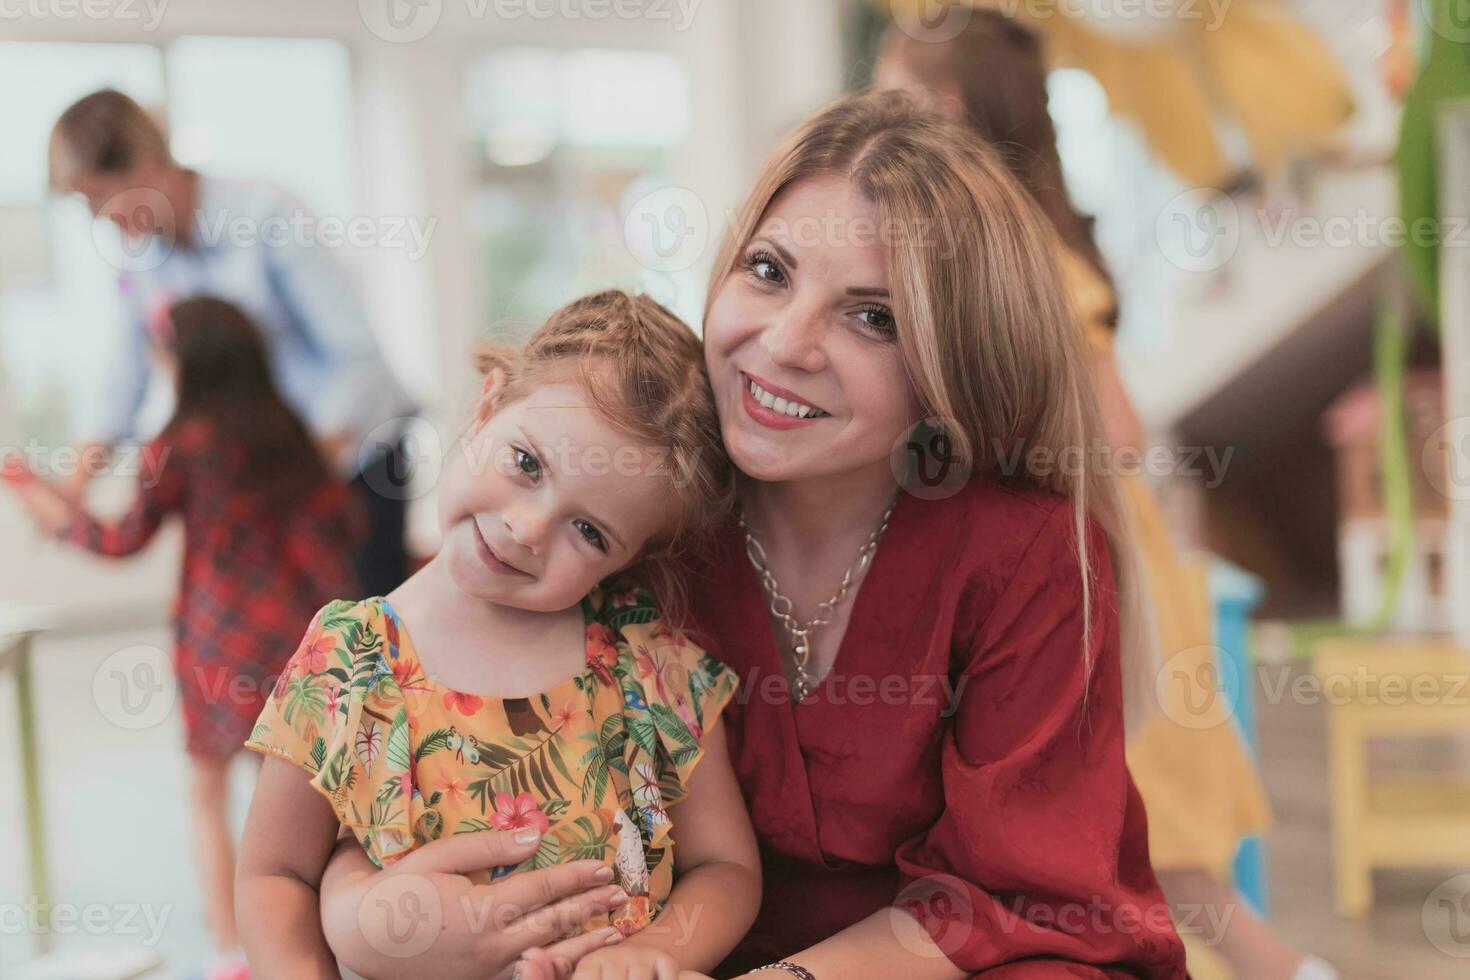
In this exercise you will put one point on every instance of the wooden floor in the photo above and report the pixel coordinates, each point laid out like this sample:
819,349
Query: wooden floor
1388,944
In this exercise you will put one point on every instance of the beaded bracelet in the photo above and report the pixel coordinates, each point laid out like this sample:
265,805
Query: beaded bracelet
801,973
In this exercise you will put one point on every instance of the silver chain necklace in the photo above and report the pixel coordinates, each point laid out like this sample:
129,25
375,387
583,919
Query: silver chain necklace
782,606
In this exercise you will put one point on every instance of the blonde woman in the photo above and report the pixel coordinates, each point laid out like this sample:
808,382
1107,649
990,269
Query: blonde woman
929,732
1200,786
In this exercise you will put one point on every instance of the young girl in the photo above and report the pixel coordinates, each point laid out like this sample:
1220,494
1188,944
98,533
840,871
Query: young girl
518,681
268,536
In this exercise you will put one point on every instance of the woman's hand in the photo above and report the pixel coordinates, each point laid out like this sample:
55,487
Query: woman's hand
422,916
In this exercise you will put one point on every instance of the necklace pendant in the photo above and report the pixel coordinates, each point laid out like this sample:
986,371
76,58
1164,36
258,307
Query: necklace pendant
801,684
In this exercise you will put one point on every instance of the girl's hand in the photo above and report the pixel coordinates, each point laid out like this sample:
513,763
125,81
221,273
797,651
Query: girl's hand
627,962
44,504
422,917
13,470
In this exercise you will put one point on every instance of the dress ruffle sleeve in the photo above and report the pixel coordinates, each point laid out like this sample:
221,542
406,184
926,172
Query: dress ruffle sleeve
673,693
338,713
1039,863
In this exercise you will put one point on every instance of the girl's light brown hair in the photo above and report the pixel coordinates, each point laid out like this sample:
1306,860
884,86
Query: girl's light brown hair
643,371
984,326
103,133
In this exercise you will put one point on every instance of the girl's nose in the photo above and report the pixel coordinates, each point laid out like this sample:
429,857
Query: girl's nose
527,527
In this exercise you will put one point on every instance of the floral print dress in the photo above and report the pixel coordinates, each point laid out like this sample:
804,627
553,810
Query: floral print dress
594,762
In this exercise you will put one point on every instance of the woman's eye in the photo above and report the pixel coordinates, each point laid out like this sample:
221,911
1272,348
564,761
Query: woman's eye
877,318
764,267
527,463
591,534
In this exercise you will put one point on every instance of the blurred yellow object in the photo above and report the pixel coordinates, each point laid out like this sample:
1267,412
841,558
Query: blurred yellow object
1392,688
1192,767
1247,62
1202,960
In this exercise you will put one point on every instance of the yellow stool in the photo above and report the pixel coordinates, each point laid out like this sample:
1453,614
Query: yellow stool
1392,688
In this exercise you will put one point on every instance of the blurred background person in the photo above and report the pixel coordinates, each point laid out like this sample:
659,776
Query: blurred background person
269,532
249,242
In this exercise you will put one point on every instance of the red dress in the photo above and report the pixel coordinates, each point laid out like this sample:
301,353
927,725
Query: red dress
1002,817
253,578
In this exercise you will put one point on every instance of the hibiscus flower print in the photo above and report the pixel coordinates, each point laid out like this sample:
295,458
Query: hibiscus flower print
312,658
454,789
409,680
406,674
465,704
602,652
561,717
517,813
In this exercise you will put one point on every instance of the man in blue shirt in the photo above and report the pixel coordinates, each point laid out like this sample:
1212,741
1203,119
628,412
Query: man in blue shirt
187,234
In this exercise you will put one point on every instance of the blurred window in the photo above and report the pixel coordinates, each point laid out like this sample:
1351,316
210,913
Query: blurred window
564,143
58,293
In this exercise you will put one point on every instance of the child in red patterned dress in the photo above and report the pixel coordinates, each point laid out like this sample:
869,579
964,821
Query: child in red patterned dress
268,537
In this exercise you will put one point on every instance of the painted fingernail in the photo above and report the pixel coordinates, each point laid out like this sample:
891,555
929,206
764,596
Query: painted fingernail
603,873
613,936
616,896
529,835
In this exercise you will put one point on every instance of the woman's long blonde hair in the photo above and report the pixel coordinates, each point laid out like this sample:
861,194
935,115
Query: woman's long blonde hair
986,331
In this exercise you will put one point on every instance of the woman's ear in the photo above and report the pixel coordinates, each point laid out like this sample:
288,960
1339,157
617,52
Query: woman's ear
489,396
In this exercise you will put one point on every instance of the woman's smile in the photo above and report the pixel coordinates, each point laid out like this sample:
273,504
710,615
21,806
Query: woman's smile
776,407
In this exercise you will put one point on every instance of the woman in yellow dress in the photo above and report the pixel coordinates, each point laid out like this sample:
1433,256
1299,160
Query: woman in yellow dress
1195,774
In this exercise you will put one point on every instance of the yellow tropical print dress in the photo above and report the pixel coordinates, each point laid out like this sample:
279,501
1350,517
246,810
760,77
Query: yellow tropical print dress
594,762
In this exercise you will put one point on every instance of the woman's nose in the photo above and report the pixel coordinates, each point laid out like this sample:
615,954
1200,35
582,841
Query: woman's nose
793,338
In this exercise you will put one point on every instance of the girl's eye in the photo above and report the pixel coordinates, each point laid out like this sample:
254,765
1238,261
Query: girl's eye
763,266
879,318
591,534
527,463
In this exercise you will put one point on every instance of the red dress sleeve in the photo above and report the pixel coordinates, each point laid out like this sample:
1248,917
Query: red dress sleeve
1040,857
162,486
